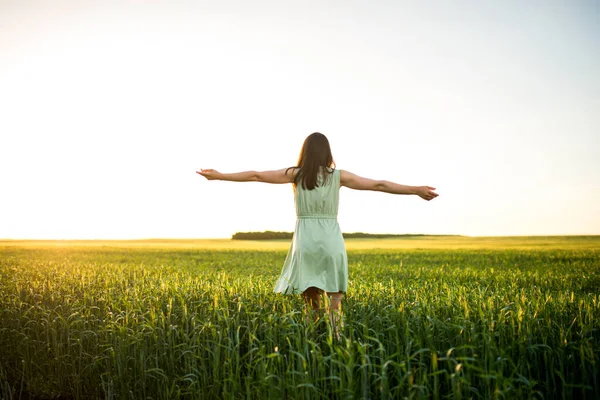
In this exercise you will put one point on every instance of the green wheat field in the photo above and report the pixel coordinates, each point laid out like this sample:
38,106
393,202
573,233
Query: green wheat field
424,318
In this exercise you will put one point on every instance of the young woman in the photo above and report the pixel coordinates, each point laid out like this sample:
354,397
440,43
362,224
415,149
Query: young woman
316,262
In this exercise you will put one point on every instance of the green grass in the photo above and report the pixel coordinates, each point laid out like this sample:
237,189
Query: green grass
489,318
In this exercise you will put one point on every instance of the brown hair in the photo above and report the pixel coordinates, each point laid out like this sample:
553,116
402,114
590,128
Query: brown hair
315,153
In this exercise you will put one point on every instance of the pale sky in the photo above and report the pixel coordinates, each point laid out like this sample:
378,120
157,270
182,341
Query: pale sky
108,108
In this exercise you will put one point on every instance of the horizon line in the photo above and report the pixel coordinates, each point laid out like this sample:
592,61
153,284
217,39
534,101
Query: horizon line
397,236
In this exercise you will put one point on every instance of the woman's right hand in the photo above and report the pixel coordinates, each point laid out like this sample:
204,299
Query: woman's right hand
426,192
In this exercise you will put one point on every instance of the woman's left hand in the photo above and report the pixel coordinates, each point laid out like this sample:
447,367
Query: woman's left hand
209,174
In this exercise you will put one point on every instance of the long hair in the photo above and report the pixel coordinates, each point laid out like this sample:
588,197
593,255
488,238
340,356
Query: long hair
315,156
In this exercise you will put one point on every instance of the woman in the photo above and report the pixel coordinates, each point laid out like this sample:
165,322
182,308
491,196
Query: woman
316,262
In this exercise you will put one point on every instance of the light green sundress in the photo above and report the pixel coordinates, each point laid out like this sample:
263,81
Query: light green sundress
317,256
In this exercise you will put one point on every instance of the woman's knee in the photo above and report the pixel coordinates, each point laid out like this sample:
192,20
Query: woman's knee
312,291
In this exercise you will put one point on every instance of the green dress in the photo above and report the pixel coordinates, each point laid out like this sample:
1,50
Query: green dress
317,256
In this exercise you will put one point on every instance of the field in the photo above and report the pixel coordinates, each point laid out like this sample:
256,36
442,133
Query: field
430,317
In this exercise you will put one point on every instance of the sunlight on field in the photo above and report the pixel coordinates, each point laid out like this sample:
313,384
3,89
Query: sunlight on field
505,318
416,242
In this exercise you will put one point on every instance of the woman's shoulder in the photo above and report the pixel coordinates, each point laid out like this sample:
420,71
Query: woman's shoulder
292,170
330,170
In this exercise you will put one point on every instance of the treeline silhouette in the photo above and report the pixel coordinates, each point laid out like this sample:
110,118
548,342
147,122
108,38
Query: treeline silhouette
266,235
271,235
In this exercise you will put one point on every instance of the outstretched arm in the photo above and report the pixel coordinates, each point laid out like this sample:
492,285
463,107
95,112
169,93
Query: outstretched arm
353,181
275,176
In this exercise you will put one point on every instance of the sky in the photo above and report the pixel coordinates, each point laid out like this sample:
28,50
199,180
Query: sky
108,108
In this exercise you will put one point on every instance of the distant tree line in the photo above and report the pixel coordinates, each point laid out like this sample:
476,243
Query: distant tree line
271,235
266,235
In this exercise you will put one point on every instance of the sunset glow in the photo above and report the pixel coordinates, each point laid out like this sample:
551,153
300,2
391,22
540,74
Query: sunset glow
109,108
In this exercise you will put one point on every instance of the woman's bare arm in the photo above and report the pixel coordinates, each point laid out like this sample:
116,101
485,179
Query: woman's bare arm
353,181
275,176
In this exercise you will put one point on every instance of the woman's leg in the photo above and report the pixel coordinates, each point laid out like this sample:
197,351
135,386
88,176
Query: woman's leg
335,312
312,299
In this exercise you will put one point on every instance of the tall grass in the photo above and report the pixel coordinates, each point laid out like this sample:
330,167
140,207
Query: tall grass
149,323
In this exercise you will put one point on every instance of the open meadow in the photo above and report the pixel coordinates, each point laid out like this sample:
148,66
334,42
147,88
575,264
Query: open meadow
424,317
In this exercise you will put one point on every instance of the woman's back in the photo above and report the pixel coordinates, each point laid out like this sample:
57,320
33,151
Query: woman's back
322,201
